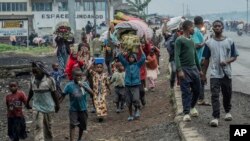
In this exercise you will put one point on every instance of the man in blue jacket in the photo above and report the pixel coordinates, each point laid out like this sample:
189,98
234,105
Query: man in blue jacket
132,81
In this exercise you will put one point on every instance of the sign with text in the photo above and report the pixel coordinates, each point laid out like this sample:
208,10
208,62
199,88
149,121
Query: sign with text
12,24
16,32
239,132
65,16
13,27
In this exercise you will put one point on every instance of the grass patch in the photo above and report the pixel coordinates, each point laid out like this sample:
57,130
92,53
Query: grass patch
4,48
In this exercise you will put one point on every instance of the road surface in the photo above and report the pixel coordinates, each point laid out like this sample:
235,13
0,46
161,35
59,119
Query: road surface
241,68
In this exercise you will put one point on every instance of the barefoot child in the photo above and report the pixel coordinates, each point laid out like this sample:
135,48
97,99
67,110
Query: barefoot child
118,79
101,88
77,90
132,81
16,121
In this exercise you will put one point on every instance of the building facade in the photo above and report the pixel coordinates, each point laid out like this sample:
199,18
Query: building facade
47,13
16,18
20,17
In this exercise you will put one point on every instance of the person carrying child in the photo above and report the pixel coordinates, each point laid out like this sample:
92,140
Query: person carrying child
16,121
118,79
132,81
78,89
101,88
73,63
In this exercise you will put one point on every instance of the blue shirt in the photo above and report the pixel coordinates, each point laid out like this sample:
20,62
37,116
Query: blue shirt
77,96
57,75
198,38
132,71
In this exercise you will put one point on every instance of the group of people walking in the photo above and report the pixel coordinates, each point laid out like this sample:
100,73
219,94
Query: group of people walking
83,68
190,55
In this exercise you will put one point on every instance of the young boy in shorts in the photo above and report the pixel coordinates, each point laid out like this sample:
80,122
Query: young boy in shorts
77,89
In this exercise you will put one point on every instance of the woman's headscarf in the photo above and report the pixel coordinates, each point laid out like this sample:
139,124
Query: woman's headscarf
41,66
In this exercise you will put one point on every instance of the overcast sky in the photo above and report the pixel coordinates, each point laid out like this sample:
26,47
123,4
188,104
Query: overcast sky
197,7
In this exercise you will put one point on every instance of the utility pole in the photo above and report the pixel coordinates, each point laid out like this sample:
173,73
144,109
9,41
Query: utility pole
247,11
94,13
108,12
72,14
183,9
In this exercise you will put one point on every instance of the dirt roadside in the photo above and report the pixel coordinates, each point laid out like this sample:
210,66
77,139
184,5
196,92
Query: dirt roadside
156,123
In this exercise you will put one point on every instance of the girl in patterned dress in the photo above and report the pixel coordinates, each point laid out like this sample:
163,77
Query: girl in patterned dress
101,88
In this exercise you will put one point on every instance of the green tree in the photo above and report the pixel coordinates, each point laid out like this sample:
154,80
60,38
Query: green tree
140,6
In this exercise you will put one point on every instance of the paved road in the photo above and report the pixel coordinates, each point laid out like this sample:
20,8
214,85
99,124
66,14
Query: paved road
241,68
240,101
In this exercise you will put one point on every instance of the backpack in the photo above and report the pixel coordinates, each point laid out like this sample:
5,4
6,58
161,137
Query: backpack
170,45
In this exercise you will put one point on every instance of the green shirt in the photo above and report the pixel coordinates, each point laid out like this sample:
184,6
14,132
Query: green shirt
118,79
96,47
185,53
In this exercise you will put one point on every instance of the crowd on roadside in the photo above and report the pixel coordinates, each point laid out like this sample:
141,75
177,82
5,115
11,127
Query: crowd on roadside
132,69
190,55
236,25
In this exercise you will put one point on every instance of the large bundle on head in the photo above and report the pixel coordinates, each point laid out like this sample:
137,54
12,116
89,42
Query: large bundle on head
122,17
140,27
130,42
175,23
129,34
63,30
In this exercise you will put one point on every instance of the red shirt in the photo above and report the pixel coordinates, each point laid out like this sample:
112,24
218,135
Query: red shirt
143,71
152,62
14,104
71,64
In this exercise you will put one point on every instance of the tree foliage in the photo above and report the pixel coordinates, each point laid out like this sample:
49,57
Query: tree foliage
139,5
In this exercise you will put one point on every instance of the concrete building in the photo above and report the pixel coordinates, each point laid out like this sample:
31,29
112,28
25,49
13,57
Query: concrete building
47,13
20,17
16,18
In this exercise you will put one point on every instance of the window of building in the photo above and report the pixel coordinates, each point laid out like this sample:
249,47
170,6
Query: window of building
78,6
18,7
88,6
8,6
100,6
104,6
4,7
42,6
13,6
63,6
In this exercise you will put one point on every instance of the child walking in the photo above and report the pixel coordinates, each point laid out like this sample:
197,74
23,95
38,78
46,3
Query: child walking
73,63
101,88
132,81
118,79
78,89
152,68
57,75
16,121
